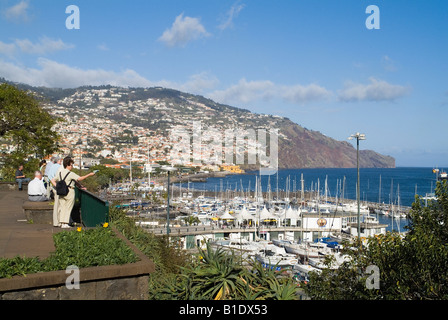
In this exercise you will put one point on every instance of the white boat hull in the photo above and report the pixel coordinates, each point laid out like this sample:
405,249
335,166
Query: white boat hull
301,251
282,262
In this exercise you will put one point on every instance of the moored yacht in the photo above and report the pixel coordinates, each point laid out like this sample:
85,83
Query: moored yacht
302,272
273,256
308,249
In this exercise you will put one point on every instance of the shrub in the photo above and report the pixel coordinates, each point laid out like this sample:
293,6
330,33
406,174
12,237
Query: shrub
217,275
83,248
88,248
165,254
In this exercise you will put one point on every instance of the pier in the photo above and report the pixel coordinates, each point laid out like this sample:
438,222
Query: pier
182,231
18,237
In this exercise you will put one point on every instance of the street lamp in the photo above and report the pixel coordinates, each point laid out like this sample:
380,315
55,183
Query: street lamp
168,169
358,136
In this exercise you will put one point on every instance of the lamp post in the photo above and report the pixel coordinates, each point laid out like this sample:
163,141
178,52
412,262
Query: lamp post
358,136
168,169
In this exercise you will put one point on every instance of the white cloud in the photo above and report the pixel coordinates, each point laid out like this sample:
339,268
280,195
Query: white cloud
50,73
244,91
249,91
43,46
18,11
54,74
301,94
198,83
231,15
7,48
376,90
183,30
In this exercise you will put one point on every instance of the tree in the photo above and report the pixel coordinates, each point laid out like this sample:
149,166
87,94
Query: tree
191,220
411,266
26,124
104,176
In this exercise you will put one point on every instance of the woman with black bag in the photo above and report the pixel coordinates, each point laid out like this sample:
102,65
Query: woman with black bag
64,202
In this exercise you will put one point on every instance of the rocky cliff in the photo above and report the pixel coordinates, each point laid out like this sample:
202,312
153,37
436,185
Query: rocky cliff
311,149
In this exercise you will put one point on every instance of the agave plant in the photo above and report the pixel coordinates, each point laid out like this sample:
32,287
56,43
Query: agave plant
218,275
269,284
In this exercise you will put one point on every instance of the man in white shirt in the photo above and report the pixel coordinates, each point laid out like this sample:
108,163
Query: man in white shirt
36,188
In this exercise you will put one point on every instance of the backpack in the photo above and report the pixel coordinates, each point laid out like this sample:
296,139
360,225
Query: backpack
61,186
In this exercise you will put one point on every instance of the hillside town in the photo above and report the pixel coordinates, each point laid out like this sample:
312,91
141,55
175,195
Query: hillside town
107,123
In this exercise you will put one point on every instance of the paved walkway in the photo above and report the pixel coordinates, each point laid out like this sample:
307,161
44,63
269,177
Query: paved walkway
17,236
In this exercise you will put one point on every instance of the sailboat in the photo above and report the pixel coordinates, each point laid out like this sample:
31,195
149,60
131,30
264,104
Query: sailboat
400,213
272,256
381,209
308,249
302,272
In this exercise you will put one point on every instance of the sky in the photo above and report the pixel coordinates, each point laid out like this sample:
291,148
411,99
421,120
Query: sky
331,66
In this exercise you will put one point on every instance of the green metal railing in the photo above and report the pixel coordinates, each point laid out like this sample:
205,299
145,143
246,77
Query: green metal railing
93,210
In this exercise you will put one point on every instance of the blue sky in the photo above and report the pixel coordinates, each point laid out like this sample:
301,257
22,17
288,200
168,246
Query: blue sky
314,62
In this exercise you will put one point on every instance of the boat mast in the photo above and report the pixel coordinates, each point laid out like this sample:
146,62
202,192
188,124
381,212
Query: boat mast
391,199
398,205
277,185
269,189
318,196
326,187
257,212
379,192
302,196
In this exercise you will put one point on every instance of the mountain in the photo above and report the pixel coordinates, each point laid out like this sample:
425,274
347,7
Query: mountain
311,149
159,109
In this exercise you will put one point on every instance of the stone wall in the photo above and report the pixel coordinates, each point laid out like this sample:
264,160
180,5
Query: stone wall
115,282
39,212
127,288
7,186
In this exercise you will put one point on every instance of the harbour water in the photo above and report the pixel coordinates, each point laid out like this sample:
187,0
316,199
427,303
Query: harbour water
384,185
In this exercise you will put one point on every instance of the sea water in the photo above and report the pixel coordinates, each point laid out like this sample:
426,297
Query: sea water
385,185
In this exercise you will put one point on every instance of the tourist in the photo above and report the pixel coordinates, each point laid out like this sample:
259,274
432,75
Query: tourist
48,166
48,170
42,168
54,168
20,177
36,188
42,165
63,205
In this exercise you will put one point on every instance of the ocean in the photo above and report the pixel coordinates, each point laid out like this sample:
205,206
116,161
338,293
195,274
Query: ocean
401,183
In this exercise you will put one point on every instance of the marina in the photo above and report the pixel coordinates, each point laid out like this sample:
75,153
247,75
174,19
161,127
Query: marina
290,229
233,151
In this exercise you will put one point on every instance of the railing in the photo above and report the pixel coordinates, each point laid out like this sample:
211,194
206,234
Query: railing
94,211
161,229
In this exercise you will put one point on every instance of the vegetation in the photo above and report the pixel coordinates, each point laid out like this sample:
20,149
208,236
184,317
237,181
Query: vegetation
208,275
413,266
103,177
83,248
166,255
191,220
27,126
217,275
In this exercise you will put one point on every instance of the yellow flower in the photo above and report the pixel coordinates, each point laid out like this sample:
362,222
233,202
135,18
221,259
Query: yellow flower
105,225
219,294
79,229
